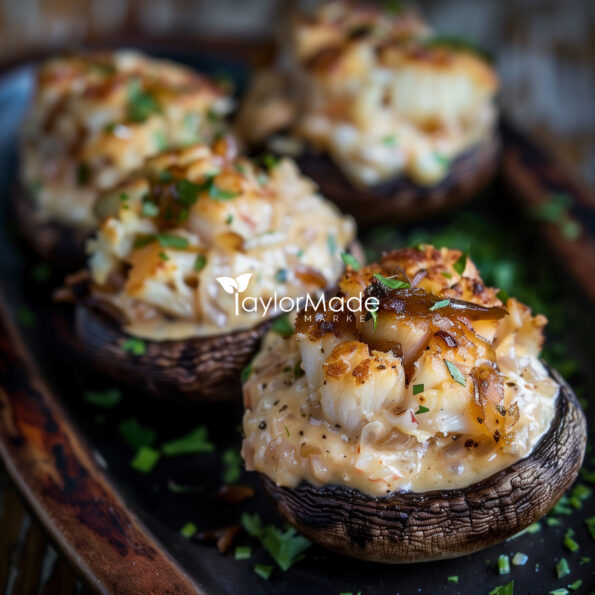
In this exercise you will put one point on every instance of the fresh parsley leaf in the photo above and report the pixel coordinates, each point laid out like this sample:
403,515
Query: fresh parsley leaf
200,262
217,193
282,326
456,374
246,373
107,398
461,263
591,526
243,553
390,141
141,104
286,548
196,441
439,304
135,434
422,409
392,283
163,256
418,388
229,219
145,460
142,241
569,542
232,465
168,240
576,585
135,346
453,579
562,568
503,564
507,589
188,530
350,261
298,371
160,140
263,571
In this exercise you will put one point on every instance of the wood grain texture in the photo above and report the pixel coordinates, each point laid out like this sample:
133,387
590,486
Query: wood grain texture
66,489
416,527
402,200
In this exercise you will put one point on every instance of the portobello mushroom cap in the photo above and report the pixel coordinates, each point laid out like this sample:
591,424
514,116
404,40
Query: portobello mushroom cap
407,527
190,370
401,199
61,245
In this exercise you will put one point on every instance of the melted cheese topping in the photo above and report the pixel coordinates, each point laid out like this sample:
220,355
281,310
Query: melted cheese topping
380,94
194,215
96,117
430,399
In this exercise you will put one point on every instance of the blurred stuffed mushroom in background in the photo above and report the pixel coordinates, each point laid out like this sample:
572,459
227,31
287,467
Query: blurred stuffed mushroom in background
392,120
181,243
94,118
424,428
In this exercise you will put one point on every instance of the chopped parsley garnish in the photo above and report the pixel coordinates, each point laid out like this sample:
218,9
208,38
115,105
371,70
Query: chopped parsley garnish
283,327
165,176
83,173
243,552
145,460
142,241
196,441
422,409
556,211
263,571
591,526
520,559
160,140
446,274
229,219
390,141
456,374
440,304
461,263
576,585
217,193
281,276
569,542
188,530
200,262
246,373
507,589
107,398
441,159
149,209
560,591
373,314
459,44
562,568
298,372
163,256
418,388
135,434
232,465
134,346
503,564
141,104
41,272
168,240
287,431
392,283
268,160
350,261
332,243
585,560
453,579
177,488
239,168
286,548
25,317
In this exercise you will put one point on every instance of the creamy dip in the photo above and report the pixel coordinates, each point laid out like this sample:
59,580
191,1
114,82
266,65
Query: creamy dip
427,400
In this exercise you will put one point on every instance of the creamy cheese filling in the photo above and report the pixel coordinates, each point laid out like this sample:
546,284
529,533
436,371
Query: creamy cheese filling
333,405
96,117
197,215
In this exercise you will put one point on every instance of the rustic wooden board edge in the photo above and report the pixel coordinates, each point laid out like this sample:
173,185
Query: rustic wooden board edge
67,490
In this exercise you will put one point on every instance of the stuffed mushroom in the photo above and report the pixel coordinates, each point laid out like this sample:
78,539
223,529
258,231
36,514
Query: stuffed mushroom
196,253
390,119
94,118
419,422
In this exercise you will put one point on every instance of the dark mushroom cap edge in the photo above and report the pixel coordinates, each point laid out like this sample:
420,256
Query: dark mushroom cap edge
417,527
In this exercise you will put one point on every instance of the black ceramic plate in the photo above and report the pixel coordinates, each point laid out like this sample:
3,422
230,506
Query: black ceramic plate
122,532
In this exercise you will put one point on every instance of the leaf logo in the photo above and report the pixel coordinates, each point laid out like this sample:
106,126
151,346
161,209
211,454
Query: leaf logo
237,285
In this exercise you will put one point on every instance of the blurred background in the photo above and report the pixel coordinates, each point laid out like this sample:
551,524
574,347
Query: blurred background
545,49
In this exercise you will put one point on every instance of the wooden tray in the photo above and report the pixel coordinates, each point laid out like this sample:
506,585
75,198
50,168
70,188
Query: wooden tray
121,529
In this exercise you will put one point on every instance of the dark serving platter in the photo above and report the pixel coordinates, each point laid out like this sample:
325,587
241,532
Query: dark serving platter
120,529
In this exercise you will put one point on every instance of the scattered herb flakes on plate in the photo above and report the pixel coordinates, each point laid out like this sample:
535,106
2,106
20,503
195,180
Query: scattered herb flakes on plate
188,530
196,441
135,434
145,459
107,398
232,465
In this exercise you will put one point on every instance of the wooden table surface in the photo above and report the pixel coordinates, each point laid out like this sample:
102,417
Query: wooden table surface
547,63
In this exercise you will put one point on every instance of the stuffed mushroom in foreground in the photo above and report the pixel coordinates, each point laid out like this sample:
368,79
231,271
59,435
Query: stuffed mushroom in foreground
94,118
418,426
395,120
188,259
